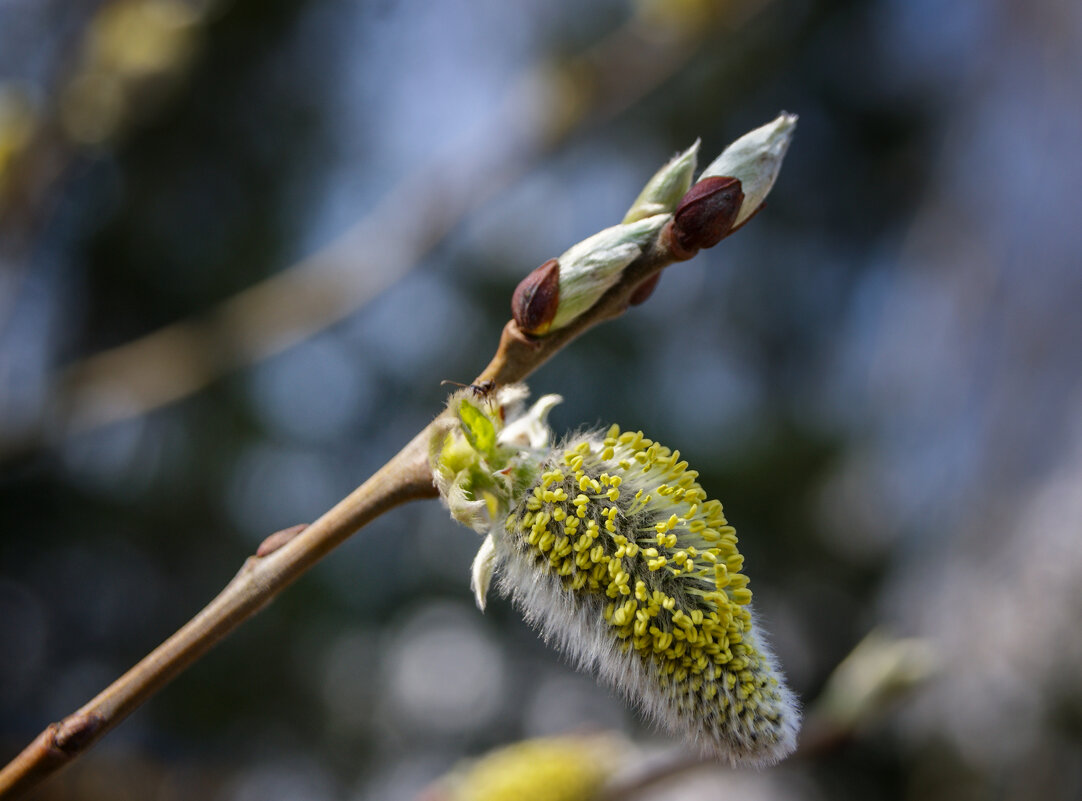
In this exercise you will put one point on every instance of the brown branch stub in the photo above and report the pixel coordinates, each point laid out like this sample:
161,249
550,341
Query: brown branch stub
76,732
56,746
278,539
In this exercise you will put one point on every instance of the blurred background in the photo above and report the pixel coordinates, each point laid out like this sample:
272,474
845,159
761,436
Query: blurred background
241,244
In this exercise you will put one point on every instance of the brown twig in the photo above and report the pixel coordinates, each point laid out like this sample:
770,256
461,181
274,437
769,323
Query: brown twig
405,477
699,219
288,554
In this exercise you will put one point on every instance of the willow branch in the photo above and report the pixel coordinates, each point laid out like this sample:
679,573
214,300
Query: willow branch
404,478
699,217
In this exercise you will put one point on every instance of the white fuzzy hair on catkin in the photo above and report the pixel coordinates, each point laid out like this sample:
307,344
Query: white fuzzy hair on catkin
575,626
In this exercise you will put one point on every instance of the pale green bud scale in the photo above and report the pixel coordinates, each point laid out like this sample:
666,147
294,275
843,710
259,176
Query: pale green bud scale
662,192
755,160
589,268
478,429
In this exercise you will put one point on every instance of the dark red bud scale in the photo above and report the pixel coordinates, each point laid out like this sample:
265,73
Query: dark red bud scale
643,291
278,539
705,215
536,298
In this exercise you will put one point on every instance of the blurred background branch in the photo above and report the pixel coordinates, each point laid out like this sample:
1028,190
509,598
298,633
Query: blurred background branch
130,44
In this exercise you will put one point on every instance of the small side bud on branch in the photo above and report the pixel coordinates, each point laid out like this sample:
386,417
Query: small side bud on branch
536,298
278,539
664,190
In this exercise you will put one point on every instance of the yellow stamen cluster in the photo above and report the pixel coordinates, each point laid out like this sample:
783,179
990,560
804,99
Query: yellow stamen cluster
622,524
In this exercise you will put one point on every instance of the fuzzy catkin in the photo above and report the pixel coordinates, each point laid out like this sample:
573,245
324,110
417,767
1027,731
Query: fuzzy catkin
611,548
617,555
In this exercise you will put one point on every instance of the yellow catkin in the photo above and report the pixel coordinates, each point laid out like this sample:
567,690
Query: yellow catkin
549,769
616,553
685,622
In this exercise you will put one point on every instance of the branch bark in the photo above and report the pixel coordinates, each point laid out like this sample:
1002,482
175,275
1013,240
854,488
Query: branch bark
404,478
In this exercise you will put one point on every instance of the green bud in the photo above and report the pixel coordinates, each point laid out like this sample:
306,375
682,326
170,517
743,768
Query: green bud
664,190
755,160
881,669
590,268
483,451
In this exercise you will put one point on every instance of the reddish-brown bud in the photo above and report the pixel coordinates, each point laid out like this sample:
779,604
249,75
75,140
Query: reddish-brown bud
643,291
536,298
705,215
75,732
278,539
